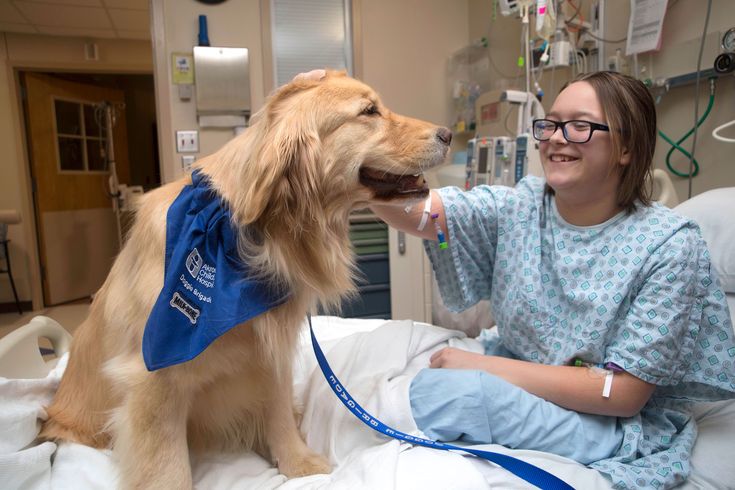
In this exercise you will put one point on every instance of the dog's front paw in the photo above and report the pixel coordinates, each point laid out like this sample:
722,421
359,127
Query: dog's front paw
304,465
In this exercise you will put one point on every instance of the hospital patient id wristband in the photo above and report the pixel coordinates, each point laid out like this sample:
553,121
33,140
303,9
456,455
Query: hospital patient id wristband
608,384
532,474
610,369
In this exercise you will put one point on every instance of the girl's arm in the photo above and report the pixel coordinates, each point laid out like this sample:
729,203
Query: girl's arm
396,216
575,388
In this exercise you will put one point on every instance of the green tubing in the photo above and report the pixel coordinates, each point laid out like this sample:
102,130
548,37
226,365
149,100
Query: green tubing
676,146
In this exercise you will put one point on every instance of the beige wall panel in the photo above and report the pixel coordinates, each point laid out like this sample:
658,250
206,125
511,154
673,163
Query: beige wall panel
405,48
84,247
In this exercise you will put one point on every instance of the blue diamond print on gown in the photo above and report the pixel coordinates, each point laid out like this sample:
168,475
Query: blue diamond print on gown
635,290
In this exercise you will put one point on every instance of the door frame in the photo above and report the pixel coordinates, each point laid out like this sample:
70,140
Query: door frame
57,190
23,162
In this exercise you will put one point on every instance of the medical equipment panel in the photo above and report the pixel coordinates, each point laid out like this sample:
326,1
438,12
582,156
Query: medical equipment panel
479,162
521,158
495,114
499,160
502,161
469,167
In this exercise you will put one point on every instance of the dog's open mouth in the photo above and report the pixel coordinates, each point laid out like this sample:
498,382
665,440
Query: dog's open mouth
388,186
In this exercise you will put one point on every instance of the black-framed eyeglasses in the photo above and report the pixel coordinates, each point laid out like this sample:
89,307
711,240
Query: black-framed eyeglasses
574,131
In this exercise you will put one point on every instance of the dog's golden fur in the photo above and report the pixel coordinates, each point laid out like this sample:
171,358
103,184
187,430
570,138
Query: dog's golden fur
291,181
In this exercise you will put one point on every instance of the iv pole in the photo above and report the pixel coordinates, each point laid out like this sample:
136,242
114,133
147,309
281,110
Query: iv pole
114,185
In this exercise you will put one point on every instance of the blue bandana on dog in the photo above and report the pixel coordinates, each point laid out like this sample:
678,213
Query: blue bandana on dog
206,291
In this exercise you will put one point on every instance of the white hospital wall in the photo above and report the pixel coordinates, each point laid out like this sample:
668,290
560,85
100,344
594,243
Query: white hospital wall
683,27
401,50
405,47
10,192
44,53
174,29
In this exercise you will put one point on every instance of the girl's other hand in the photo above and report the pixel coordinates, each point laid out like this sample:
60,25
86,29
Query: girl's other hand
453,358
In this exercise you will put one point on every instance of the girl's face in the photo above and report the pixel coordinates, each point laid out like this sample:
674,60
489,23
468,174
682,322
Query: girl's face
579,171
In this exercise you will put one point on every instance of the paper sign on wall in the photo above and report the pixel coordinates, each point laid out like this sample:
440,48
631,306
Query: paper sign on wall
644,27
182,66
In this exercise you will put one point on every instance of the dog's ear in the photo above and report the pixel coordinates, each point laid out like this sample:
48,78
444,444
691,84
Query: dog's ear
298,192
275,162
284,172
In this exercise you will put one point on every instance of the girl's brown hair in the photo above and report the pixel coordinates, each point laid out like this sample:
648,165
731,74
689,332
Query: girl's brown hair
630,112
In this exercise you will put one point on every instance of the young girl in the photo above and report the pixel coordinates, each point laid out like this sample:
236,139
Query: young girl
610,320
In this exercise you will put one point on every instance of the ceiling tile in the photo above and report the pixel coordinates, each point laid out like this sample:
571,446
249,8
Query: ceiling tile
64,16
125,34
78,3
76,32
133,20
8,13
127,4
8,27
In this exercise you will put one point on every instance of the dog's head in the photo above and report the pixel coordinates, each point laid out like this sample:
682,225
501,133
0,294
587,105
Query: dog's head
327,143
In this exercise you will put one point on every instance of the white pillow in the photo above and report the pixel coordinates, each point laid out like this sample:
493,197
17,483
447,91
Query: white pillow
714,211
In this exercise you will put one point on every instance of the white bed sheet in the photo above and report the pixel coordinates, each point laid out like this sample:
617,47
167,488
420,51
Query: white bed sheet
375,360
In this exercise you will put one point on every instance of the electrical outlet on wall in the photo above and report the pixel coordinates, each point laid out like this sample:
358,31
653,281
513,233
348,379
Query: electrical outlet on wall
187,161
187,141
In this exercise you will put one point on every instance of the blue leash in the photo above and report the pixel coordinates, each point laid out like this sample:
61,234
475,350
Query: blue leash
532,474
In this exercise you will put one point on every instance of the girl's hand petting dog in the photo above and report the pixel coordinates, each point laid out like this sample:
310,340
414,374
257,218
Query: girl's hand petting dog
314,75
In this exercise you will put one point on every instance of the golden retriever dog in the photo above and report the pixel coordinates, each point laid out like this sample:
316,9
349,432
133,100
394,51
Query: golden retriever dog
317,150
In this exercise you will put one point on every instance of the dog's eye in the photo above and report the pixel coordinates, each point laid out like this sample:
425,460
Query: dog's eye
371,110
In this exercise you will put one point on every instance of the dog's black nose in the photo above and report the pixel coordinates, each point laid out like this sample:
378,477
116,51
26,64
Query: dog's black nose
444,135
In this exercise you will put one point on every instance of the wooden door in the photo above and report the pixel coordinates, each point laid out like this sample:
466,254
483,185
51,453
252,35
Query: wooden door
76,224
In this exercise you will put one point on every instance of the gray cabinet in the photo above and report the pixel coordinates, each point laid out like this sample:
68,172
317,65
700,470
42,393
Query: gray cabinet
369,238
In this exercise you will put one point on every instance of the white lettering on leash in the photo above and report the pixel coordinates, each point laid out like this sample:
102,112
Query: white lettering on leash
180,304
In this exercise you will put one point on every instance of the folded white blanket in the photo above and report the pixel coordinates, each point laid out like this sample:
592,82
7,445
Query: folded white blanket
375,360
377,368
24,464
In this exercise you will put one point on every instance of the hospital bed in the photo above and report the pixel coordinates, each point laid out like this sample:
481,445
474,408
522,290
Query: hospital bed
375,360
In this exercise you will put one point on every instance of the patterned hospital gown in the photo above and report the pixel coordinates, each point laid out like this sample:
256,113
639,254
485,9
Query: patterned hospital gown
636,290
